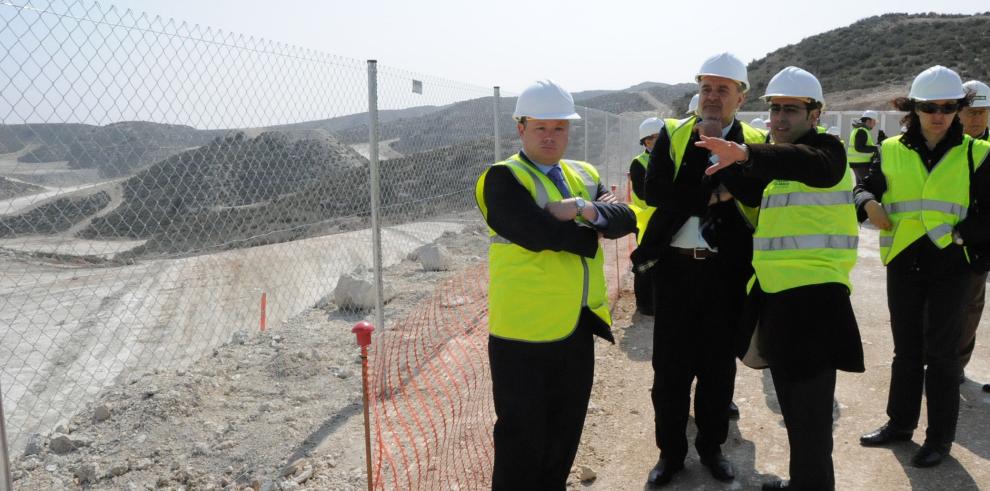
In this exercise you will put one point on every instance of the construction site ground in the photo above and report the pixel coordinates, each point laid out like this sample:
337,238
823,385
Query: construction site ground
618,441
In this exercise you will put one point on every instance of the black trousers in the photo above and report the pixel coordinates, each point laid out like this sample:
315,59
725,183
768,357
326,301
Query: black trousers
974,311
541,393
926,305
806,404
643,288
696,308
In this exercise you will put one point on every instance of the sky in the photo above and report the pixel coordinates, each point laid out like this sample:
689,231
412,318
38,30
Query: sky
592,45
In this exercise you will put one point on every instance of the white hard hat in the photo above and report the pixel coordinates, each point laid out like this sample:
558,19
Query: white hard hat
982,93
871,114
649,127
833,130
937,83
795,82
758,123
725,65
693,105
545,100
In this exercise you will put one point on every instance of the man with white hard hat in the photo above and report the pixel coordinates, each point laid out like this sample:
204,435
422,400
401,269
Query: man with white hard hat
804,249
974,119
975,116
758,123
693,105
699,242
547,291
862,149
649,129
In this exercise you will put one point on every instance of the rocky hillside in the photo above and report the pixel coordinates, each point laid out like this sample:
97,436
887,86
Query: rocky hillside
351,120
115,149
639,98
880,53
54,216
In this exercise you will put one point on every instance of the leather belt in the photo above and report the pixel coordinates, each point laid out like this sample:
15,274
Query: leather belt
696,253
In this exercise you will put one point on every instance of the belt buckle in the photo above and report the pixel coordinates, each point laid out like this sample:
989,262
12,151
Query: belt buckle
694,254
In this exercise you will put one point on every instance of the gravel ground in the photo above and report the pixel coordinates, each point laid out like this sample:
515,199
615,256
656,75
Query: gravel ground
279,409
618,443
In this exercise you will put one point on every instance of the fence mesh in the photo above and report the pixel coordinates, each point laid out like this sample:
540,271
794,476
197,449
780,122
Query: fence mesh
159,179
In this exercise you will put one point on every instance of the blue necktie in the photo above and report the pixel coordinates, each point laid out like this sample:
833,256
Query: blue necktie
557,177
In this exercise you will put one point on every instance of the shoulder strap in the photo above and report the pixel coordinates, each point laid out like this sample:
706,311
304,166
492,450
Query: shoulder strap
972,173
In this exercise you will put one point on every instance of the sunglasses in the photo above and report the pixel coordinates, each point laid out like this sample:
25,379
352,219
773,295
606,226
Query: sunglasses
932,108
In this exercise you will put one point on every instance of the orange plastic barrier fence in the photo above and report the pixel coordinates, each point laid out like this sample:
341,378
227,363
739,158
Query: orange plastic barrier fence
429,385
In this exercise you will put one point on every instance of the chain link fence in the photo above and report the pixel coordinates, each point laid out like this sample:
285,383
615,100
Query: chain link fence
164,186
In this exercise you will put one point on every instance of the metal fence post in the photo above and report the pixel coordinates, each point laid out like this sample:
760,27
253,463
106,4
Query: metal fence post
5,482
376,230
498,130
605,144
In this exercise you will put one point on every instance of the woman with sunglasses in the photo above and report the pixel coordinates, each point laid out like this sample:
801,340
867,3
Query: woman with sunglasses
923,197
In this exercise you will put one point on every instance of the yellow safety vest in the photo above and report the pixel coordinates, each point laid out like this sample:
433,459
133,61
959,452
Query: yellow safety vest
920,202
679,132
854,156
643,211
538,296
806,235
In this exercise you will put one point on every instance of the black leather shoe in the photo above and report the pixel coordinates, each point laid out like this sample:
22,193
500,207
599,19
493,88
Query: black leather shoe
884,435
778,484
720,467
733,410
986,387
930,455
663,472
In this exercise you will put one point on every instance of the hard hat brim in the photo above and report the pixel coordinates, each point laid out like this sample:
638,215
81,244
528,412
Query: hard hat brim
571,116
939,97
745,84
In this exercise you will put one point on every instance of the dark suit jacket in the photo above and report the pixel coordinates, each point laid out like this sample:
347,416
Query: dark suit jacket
688,195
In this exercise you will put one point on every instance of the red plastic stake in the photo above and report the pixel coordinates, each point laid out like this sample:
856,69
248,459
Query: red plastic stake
264,308
363,331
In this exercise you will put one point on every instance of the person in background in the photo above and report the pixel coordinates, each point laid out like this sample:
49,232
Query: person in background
974,121
649,129
920,197
693,106
862,150
700,239
804,248
758,123
547,293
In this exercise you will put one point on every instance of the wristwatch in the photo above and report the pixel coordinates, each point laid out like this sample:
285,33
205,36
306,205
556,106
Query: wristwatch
579,203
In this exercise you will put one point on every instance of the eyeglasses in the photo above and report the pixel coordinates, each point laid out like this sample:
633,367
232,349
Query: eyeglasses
932,108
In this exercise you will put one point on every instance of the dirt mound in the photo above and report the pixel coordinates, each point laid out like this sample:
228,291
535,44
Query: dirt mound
12,189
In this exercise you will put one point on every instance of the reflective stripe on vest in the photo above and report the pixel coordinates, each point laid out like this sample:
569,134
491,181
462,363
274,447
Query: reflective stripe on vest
854,156
806,235
679,131
643,211
922,202
538,296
